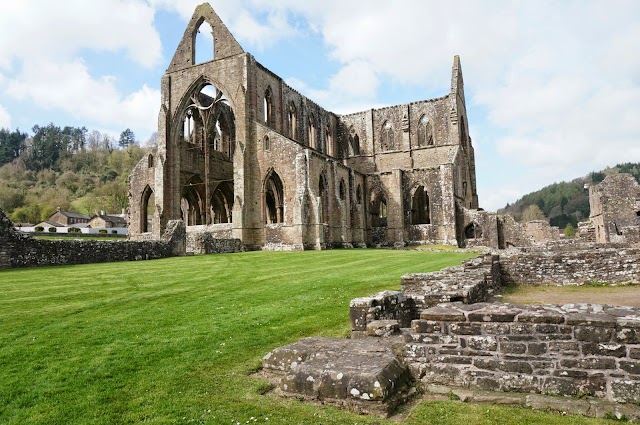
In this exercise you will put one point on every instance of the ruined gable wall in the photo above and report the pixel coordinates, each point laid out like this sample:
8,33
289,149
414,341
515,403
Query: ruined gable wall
615,209
541,231
143,175
228,76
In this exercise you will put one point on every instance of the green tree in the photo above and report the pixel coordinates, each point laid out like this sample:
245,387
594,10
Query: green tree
532,212
570,231
127,138
11,144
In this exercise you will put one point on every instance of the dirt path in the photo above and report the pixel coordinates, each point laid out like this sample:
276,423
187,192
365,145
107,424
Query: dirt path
612,295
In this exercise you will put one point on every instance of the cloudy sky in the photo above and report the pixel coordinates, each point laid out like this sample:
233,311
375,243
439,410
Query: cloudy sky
553,87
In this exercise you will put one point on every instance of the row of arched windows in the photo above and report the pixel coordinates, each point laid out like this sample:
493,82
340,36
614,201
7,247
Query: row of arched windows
274,198
315,141
424,133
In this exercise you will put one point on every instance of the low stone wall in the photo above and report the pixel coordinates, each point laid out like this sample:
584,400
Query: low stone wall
214,239
573,264
19,250
386,305
474,281
457,340
570,350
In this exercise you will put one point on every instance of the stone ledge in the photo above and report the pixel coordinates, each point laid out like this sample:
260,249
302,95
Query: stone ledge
363,375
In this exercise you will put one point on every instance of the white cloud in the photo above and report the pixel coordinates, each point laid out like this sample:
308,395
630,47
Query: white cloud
5,118
33,29
69,86
241,18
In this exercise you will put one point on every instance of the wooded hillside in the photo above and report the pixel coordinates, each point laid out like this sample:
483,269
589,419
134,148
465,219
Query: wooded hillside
69,168
566,202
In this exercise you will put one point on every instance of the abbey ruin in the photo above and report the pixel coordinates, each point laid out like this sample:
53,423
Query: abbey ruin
244,162
242,155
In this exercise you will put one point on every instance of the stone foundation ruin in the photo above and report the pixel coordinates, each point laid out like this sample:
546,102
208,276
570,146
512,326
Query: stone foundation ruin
441,335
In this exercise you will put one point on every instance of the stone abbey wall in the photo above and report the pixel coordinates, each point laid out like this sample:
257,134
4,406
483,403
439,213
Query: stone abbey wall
237,145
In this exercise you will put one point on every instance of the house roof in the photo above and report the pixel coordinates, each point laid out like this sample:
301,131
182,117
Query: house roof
49,224
114,219
73,215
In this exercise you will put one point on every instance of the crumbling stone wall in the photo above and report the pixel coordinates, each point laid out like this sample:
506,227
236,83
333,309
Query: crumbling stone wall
541,231
212,239
18,250
474,281
573,264
443,332
615,209
570,350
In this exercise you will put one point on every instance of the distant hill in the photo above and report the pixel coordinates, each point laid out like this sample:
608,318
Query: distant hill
566,202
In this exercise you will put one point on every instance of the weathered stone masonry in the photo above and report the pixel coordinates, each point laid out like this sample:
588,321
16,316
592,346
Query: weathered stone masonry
442,333
237,146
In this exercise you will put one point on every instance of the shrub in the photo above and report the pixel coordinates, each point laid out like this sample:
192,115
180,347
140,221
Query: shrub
114,232
52,229
74,230
39,229
570,231
102,231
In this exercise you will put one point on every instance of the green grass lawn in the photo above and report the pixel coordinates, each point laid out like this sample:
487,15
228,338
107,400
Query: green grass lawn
174,341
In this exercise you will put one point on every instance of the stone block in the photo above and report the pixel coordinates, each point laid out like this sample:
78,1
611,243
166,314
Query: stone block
522,329
465,328
513,347
589,385
634,353
593,333
482,343
517,338
547,329
563,346
493,315
603,349
630,367
443,314
487,383
625,391
496,328
418,350
503,365
541,317
589,363
555,337
358,316
627,335
383,328
567,373
426,326
445,374
516,382
454,359
536,348
590,319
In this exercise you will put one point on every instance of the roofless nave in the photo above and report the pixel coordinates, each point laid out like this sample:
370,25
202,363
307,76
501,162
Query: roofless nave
247,157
